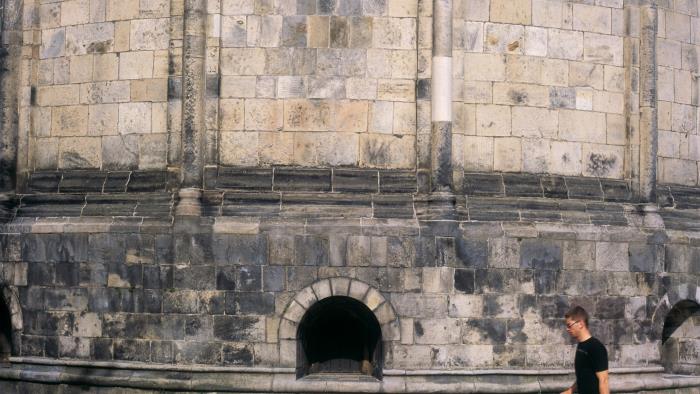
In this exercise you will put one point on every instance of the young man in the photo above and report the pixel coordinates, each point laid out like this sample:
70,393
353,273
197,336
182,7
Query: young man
591,362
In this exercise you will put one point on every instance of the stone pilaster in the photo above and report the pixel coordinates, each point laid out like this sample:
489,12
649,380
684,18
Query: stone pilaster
441,133
648,126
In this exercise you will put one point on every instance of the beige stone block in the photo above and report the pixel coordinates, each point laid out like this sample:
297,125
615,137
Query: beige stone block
484,67
159,117
387,151
49,15
564,44
149,90
234,31
335,149
478,153
75,12
276,148
682,86
493,120
264,114
149,34
603,48
350,115
105,67
678,26
669,53
318,28
582,126
664,115
469,114
592,18
58,95
665,84
396,90
136,65
69,121
361,88
471,37
511,11
507,154
45,74
81,68
523,69
381,117
231,114
608,102
134,118
98,10
379,63
103,119
693,147
105,92
239,148
153,151
536,152
242,61
683,118
404,118
614,79
52,43
535,41
535,122
619,22
161,9
45,155
675,171
122,32
476,10
237,7
122,10
394,33
403,64
502,38
520,94
306,115
80,152
41,125
603,161
478,92
587,75
233,87
547,13
402,8
584,99
617,133
565,158
555,72
161,66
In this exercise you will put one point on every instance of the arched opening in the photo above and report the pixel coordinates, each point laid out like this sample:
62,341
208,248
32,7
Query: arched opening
5,332
339,335
680,339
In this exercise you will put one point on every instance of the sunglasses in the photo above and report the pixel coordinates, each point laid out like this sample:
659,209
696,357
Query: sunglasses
572,324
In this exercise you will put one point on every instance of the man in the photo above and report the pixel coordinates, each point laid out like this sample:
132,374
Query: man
591,362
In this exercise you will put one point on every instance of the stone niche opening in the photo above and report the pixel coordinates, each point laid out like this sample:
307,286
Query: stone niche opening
339,335
680,339
5,332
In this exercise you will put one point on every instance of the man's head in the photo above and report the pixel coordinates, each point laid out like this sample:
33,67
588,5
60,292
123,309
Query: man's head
576,320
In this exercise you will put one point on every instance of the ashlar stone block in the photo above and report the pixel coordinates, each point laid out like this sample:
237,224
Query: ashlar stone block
511,11
80,152
149,34
69,121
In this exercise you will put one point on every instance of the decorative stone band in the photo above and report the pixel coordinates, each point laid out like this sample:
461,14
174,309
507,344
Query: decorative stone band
150,377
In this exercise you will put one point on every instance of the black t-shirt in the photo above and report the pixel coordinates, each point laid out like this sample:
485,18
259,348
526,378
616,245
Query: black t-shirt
591,357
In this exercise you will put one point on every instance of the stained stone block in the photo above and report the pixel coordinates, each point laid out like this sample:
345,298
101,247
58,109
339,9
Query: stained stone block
436,331
294,31
540,254
464,281
611,256
239,328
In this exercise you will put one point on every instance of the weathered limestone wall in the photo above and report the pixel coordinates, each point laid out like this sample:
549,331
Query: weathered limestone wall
541,86
679,144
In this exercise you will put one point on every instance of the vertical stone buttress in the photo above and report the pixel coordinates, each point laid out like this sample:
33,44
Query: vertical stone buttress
193,90
441,98
11,30
648,127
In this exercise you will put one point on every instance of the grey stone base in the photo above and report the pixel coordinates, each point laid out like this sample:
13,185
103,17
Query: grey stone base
48,375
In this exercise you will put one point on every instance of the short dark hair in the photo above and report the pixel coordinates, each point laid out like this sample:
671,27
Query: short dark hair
577,313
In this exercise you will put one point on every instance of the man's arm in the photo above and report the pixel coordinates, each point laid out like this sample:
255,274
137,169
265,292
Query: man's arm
603,385
570,390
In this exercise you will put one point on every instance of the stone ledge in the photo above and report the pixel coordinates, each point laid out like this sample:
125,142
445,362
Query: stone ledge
150,377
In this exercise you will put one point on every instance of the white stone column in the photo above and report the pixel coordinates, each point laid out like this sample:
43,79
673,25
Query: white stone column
441,98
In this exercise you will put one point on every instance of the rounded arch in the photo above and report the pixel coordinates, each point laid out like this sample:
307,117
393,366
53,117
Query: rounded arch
674,295
333,291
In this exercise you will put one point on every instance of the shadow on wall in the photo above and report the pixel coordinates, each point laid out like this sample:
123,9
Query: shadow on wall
339,335
680,343
5,332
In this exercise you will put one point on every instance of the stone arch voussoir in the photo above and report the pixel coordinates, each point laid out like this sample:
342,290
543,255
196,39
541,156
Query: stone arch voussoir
674,295
371,297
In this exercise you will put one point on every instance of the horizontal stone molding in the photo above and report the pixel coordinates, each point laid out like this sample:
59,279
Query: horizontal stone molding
150,377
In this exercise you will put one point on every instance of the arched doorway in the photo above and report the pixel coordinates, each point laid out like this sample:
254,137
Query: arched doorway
339,334
680,338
